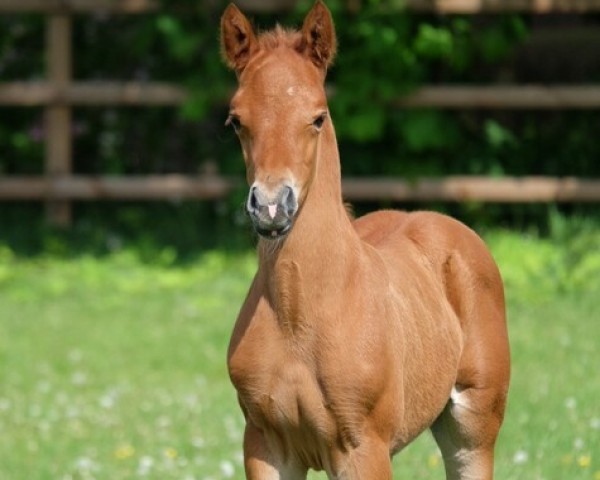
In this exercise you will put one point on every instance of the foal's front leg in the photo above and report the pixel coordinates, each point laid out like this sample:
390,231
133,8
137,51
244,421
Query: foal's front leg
263,464
369,461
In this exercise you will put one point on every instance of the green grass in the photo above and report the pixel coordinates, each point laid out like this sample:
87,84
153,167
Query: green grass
114,368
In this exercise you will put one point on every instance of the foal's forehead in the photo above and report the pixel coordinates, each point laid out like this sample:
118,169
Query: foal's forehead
282,75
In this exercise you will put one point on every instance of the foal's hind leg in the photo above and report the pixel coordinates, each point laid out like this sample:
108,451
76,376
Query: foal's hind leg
467,429
466,432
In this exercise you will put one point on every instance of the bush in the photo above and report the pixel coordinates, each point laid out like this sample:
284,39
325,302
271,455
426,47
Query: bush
384,53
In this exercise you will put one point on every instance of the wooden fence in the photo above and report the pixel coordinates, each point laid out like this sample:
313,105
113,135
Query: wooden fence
58,94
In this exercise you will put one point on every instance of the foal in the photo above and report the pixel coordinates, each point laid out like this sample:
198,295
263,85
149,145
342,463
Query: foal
355,336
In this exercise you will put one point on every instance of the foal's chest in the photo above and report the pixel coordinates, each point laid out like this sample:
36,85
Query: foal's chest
295,375
290,400
277,388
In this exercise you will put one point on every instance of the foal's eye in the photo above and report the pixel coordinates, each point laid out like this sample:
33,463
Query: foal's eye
234,121
318,122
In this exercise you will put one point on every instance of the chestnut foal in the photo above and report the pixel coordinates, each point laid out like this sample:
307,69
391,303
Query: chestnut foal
356,335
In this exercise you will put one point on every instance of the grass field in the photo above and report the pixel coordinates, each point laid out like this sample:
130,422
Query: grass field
114,368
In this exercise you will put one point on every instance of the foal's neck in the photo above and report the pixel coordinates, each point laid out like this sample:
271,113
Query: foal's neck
322,244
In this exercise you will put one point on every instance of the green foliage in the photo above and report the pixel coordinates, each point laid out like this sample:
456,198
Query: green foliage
566,262
433,42
498,136
159,233
427,130
384,53
498,41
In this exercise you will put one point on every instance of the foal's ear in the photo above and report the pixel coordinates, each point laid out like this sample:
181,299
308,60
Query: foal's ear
238,41
318,36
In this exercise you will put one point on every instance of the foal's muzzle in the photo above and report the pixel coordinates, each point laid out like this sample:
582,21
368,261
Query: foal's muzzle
272,215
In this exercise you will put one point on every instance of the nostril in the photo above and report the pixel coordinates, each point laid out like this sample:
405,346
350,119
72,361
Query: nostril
252,204
289,201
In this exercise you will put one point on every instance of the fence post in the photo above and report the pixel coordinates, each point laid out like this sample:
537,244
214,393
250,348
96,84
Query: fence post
58,115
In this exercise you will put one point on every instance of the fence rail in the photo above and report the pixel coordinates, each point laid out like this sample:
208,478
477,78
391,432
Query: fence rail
77,6
503,6
58,94
40,94
495,97
428,6
503,97
210,187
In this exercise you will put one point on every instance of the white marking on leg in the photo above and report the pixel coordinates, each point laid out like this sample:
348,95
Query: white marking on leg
458,398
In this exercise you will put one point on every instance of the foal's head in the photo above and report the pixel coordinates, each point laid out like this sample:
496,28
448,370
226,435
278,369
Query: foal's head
278,110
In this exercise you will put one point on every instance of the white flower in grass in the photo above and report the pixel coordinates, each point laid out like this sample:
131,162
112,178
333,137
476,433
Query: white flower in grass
231,428
520,457
84,464
109,399
145,465
571,403
5,404
85,467
72,412
227,469
595,423
44,386
201,381
79,379
43,426
198,442
163,422
75,356
107,402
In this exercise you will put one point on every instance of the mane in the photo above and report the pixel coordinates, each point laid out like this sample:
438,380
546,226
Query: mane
279,37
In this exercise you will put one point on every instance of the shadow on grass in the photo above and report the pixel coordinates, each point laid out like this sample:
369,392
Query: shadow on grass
163,232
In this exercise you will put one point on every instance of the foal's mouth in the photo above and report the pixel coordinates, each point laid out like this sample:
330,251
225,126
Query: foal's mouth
273,233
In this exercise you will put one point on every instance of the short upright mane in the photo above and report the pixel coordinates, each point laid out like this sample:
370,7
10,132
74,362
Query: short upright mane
279,37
